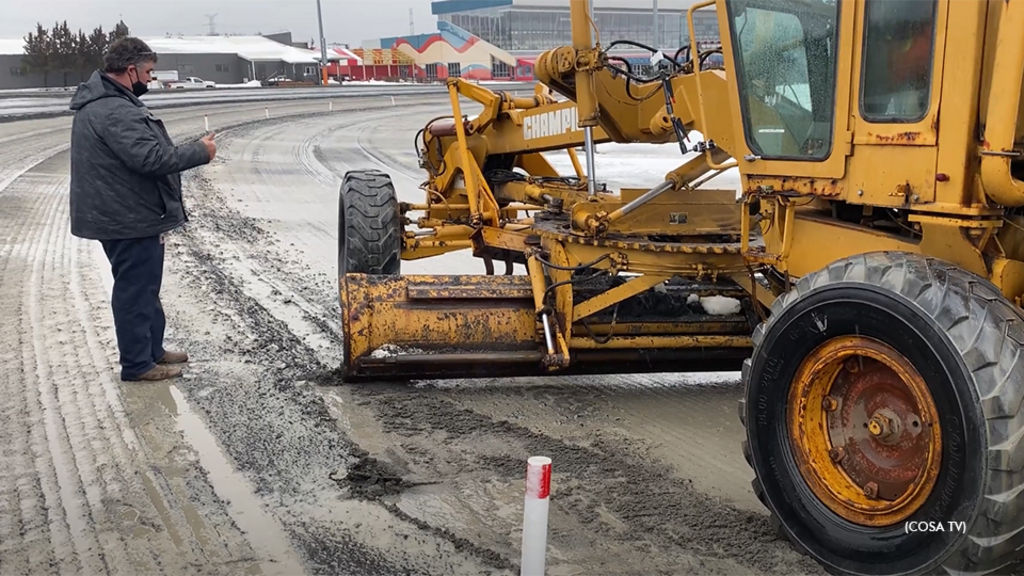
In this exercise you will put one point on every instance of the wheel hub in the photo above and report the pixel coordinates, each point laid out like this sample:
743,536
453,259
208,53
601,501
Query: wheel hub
864,430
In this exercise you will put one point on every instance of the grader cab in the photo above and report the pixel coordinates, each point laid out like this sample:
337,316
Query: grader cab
866,278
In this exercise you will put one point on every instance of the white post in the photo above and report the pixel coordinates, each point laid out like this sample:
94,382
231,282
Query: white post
206,120
535,516
331,106
392,100
267,110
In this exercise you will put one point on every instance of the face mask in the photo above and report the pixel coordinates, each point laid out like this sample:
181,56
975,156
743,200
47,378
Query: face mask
139,88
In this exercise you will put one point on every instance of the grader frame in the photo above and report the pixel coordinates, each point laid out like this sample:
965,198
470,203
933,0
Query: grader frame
874,257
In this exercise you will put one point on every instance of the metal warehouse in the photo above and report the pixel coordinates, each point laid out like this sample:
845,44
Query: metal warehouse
11,75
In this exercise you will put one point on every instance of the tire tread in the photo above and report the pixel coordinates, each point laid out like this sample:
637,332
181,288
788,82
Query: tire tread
372,227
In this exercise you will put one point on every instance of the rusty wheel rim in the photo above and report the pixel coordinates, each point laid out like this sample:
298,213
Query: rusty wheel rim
864,430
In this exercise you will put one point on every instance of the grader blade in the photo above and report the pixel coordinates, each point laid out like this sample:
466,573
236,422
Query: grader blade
432,327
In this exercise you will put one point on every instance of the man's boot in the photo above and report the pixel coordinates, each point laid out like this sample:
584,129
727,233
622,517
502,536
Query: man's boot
173,358
158,373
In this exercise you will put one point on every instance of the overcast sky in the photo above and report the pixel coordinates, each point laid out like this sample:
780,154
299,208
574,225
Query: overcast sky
345,21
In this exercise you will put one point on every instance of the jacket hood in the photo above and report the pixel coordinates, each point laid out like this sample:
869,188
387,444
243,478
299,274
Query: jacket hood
100,86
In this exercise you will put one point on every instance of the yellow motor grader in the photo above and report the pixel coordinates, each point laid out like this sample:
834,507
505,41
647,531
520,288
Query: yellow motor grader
871,264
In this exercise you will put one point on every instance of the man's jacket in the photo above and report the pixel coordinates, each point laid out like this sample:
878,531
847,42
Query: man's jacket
125,169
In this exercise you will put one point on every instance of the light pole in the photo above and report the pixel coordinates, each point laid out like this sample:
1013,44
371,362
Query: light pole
323,45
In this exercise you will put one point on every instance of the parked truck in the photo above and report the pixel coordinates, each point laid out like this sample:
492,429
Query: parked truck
192,82
162,78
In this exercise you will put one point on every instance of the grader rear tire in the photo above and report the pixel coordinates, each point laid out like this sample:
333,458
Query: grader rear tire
369,225
886,390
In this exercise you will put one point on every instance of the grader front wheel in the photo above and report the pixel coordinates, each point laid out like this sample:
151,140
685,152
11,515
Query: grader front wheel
369,242
369,224
883,416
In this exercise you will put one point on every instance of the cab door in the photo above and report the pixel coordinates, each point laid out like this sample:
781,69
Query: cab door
896,100
792,64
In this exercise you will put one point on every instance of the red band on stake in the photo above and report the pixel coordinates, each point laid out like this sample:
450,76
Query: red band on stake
538,477
545,481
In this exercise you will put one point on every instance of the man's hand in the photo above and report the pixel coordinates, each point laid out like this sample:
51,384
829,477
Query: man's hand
211,146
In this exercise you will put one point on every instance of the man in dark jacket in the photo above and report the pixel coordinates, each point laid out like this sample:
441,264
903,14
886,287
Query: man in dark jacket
126,193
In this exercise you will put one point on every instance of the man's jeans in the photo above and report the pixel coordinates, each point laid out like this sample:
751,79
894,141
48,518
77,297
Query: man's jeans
137,266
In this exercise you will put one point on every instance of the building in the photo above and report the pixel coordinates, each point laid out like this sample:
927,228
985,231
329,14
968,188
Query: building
451,51
538,25
12,73
361,64
220,59
501,39
238,59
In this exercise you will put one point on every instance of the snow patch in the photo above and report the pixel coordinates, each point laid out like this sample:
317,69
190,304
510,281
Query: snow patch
720,305
249,84
392,350
640,165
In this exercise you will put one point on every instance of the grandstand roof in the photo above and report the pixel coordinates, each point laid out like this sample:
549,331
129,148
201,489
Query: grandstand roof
345,54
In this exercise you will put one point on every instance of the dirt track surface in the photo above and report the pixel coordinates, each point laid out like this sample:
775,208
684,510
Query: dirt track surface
257,461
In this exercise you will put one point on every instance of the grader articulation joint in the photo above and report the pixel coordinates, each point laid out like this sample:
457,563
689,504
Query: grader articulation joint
865,277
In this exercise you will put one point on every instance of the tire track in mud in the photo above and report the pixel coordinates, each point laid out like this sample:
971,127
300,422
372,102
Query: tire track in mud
610,512
386,161
289,446
82,492
34,492
247,376
81,480
284,157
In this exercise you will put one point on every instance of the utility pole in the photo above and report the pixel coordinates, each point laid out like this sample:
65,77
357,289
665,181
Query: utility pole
656,38
323,46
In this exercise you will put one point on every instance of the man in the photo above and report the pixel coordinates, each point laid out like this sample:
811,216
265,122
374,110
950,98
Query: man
126,193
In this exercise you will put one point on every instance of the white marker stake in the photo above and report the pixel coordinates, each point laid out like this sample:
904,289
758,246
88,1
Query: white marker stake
206,119
392,100
331,106
267,110
535,515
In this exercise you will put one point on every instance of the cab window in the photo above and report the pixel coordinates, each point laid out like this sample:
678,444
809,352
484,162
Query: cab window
786,73
896,77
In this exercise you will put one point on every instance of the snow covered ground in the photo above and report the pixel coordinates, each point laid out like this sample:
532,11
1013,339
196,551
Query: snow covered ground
16,104
60,90
639,165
